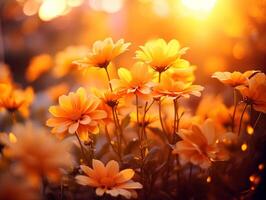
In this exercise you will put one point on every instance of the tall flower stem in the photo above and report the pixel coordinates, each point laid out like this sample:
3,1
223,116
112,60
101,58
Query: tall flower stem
118,136
234,112
137,113
109,140
257,121
241,119
81,147
109,79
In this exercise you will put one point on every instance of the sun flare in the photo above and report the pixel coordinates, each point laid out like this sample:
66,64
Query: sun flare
199,5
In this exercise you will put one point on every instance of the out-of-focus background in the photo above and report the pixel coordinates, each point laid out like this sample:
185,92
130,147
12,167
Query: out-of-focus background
221,34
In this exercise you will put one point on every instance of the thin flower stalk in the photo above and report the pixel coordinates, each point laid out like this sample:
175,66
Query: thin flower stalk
241,119
235,106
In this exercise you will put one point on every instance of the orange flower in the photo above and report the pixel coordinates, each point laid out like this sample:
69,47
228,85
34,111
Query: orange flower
102,53
5,74
109,100
176,89
159,54
37,154
254,94
149,119
56,91
76,113
13,99
219,113
108,179
133,81
38,65
200,145
234,79
64,59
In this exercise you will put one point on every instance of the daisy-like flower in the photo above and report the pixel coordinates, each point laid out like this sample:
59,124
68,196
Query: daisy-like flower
13,99
64,59
235,78
38,66
36,153
200,145
102,53
182,71
76,113
159,54
176,89
138,80
109,179
149,119
254,93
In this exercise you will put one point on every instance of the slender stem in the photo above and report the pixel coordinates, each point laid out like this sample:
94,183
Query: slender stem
81,147
13,117
117,135
109,139
241,118
235,106
159,80
257,120
108,76
160,116
137,113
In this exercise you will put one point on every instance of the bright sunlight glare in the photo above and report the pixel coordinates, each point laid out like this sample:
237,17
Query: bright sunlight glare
199,5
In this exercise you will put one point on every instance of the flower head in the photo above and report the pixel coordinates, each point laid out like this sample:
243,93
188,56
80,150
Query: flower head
199,145
64,59
149,119
235,78
36,153
5,74
175,89
159,54
108,179
254,92
38,65
138,80
182,71
102,53
13,99
76,113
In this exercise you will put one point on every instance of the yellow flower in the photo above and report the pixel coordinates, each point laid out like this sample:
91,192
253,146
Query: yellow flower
102,53
76,113
38,65
254,94
64,59
182,71
13,99
176,89
159,54
199,145
235,78
108,179
138,80
37,154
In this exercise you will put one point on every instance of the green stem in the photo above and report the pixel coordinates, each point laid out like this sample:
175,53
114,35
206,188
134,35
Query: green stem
241,118
117,135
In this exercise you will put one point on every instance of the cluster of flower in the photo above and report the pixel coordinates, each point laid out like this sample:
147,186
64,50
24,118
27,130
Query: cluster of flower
123,116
